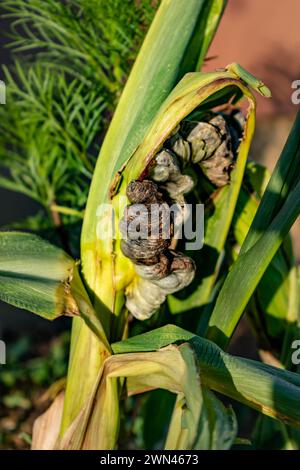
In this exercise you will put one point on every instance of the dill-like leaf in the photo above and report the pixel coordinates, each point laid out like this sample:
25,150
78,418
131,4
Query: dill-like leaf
71,60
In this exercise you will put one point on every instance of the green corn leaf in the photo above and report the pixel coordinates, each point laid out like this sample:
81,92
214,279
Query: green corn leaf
154,425
41,278
197,90
273,308
274,392
207,22
269,434
153,340
250,79
217,426
279,208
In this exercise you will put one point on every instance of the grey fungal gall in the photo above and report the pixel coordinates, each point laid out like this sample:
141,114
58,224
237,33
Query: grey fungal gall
147,227
210,146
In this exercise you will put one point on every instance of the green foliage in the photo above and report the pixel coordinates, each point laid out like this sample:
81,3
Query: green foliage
72,59
78,55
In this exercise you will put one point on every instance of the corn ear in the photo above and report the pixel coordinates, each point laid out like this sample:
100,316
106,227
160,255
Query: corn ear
160,64
275,216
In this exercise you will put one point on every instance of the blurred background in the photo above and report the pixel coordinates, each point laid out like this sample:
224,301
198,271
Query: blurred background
261,35
265,39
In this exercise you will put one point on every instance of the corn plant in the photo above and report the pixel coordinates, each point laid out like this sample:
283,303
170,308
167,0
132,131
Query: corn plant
148,315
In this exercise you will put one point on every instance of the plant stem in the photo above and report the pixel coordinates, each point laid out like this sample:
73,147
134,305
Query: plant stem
58,224
56,209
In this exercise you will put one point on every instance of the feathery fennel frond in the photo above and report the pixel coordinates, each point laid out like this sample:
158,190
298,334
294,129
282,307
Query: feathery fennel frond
71,61
90,39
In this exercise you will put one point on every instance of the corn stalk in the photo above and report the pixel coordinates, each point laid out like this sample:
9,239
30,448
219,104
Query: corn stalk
164,90
156,71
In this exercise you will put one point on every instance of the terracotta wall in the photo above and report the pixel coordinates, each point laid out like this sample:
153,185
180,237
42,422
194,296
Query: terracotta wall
264,37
